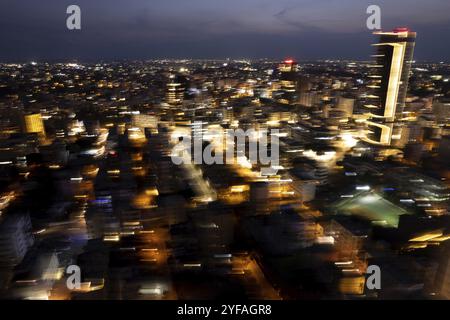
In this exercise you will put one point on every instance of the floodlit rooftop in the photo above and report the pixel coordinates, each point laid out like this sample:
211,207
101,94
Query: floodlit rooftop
373,207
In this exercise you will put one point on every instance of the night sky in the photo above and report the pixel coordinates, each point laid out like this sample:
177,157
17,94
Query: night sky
147,29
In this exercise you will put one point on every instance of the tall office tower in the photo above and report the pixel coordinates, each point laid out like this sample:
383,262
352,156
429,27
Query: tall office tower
33,124
175,91
288,80
389,84
288,67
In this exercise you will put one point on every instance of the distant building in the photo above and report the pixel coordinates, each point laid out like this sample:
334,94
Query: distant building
441,109
288,80
350,258
283,233
33,123
414,152
445,289
346,105
15,239
144,121
444,148
175,91
56,153
309,98
36,275
305,189
440,285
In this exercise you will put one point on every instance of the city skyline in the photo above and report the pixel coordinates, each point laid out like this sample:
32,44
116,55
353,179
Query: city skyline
191,150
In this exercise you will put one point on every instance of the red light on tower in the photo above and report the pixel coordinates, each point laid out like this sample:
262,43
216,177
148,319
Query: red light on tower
401,29
289,61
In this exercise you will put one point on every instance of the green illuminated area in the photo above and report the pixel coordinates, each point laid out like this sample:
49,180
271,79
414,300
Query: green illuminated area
373,207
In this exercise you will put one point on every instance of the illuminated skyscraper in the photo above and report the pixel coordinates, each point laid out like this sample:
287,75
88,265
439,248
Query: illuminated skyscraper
389,84
287,67
34,124
288,79
175,91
